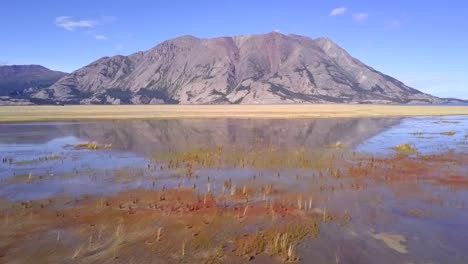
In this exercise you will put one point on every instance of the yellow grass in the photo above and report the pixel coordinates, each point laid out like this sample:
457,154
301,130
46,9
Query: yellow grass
93,112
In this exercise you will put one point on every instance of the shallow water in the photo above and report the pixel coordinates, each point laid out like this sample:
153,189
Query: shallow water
134,143
428,135
141,150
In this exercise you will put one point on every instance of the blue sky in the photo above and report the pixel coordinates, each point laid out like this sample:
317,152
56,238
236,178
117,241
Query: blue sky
422,43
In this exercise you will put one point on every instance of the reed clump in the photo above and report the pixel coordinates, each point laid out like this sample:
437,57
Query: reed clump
276,242
88,145
449,133
405,149
92,146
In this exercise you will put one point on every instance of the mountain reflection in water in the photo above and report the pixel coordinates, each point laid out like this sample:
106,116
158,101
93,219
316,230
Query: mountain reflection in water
147,137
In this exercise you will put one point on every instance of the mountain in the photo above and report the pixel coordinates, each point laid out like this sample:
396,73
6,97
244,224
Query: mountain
17,82
256,69
15,79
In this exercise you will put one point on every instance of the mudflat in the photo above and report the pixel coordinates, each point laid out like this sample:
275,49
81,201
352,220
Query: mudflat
108,112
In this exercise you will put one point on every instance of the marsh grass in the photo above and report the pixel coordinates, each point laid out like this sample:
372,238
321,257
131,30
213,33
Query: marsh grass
418,212
38,160
405,149
92,146
261,158
278,242
87,145
449,133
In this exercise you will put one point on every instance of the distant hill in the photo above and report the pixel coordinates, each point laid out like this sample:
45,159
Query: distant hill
255,69
20,81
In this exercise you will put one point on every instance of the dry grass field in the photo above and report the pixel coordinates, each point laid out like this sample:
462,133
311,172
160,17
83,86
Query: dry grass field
106,112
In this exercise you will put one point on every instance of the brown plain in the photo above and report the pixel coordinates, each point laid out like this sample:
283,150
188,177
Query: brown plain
109,112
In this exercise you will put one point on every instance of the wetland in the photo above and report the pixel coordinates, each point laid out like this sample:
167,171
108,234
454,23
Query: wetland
227,190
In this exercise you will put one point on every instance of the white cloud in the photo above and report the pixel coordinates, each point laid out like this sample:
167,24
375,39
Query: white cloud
360,17
100,37
277,30
119,47
338,11
70,24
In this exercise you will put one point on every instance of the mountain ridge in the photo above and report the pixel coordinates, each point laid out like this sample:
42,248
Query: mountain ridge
269,68
17,82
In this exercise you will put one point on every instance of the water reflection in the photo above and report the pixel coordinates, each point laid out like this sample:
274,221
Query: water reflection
134,143
151,136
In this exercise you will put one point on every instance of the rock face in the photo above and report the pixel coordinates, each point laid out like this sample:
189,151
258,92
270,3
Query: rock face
17,82
259,69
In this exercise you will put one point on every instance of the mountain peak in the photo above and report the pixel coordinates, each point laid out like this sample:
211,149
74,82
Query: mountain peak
276,33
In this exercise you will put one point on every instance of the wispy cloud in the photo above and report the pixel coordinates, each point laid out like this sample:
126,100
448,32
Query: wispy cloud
3,62
360,17
338,11
119,47
70,24
276,30
100,37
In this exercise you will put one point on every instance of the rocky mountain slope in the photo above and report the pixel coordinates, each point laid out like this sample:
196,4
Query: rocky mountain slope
257,69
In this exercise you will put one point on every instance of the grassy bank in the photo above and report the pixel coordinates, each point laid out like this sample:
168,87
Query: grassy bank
107,112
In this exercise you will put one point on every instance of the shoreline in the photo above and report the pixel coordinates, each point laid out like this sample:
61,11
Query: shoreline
21,114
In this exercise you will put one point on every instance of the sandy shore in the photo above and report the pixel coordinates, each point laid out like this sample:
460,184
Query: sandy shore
108,112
